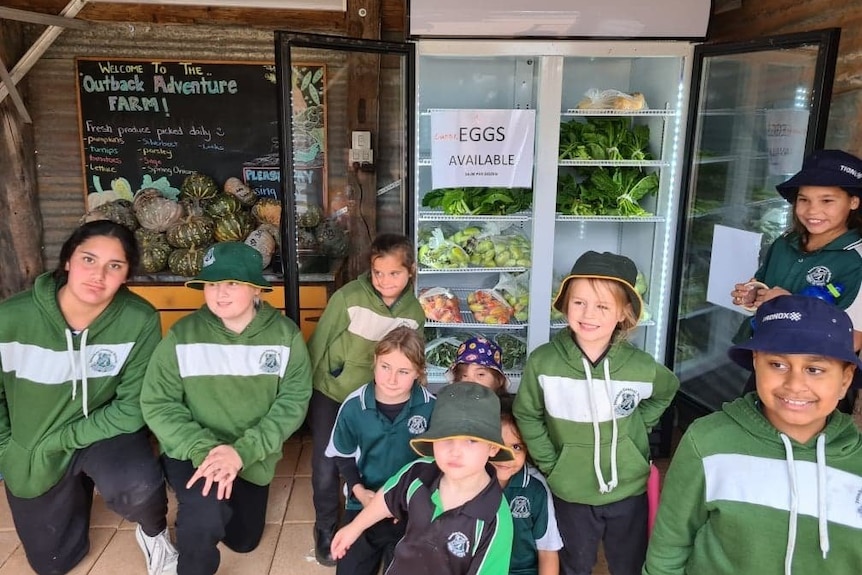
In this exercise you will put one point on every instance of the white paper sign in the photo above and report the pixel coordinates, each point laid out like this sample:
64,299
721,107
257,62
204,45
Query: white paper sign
734,260
482,148
785,140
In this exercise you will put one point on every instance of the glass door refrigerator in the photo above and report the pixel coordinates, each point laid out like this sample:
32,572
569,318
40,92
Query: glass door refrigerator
608,125
759,107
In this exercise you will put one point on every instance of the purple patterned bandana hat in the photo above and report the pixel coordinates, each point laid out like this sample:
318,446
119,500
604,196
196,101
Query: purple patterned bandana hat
480,351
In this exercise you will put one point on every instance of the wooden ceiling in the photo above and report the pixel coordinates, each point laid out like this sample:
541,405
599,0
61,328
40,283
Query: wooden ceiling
392,15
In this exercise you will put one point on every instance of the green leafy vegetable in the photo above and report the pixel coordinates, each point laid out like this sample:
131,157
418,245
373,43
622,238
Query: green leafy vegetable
479,201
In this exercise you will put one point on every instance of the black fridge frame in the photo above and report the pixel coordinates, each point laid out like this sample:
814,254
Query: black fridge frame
284,41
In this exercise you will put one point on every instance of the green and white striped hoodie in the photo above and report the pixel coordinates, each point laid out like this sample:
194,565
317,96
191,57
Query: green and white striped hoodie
586,426
61,391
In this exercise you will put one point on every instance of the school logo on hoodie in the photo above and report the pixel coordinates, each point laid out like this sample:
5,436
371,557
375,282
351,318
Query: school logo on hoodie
103,361
269,361
626,401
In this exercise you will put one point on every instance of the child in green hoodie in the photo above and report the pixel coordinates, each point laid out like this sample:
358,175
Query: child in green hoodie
223,391
73,352
773,482
589,396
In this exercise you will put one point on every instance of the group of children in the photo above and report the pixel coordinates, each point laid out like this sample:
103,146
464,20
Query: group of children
470,481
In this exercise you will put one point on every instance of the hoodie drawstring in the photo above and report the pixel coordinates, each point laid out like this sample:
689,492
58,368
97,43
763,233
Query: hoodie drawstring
597,438
794,505
822,519
82,356
822,514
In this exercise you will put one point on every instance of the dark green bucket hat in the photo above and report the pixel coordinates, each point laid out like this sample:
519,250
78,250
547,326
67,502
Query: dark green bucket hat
604,266
464,410
231,262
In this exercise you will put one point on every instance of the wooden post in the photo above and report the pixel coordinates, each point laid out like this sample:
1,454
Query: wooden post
20,218
363,21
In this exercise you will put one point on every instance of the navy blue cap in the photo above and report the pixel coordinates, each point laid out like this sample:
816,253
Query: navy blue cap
825,168
798,324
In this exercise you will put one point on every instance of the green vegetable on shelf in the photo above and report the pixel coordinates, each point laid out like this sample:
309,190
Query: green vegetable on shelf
479,201
604,139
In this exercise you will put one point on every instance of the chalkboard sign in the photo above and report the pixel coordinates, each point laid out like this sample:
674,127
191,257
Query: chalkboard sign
145,120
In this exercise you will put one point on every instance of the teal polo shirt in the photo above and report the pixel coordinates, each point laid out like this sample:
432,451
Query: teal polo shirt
533,519
840,261
378,446
474,538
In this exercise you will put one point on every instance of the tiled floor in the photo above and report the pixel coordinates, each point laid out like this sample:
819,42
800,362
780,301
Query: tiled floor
286,548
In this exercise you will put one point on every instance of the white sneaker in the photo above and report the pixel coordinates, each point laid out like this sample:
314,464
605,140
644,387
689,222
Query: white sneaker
159,552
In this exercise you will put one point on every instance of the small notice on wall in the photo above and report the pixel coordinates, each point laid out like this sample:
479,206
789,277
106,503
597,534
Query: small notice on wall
482,148
786,131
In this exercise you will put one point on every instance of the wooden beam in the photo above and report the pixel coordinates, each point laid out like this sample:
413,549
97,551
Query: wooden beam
363,21
40,47
46,19
13,91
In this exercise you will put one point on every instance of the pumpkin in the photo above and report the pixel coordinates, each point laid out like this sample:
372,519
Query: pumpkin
273,231
154,211
192,231
267,211
332,239
310,217
262,241
117,211
186,261
222,205
236,188
146,238
154,258
193,206
199,186
233,227
305,240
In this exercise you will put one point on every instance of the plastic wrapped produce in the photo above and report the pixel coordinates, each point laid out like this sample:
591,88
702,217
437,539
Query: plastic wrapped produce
514,350
516,291
442,351
440,304
441,253
489,306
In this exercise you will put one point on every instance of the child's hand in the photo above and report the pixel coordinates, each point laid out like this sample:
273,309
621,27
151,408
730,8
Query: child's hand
221,465
363,495
767,294
342,541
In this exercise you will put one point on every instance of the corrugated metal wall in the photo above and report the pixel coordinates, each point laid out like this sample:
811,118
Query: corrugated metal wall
53,101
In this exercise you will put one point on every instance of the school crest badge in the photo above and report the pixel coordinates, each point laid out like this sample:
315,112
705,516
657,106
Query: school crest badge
626,401
269,361
417,424
458,544
103,361
520,507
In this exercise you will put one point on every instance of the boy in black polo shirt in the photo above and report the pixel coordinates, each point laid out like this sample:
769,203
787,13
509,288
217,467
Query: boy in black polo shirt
457,519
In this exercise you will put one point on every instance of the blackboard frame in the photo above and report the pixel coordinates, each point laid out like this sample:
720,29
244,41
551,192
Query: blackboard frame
210,116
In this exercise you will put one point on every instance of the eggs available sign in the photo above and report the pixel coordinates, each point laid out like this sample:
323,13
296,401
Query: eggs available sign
482,148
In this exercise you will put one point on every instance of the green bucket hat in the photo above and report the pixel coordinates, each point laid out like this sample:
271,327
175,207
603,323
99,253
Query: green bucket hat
464,410
231,262
604,266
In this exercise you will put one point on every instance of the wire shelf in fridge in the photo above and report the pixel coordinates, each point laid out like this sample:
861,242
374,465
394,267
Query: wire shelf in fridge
471,269
611,112
439,216
627,219
615,163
